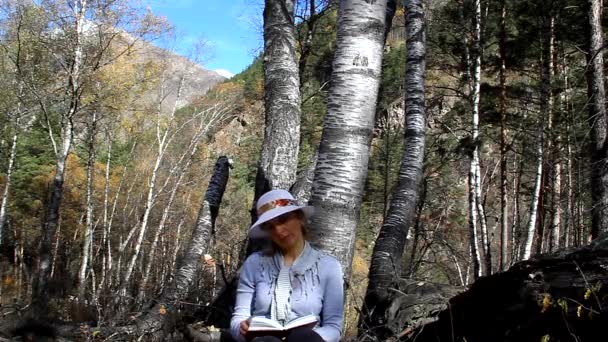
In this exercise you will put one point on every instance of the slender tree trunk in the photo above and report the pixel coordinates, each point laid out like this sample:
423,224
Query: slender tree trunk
188,156
347,129
473,239
555,240
107,253
597,121
162,137
88,233
527,251
7,185
569,224
516,226
40,295
475,163
385,269
504,216
546,111
569,212
546,107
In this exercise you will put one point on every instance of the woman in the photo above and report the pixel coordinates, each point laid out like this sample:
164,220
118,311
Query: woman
293,280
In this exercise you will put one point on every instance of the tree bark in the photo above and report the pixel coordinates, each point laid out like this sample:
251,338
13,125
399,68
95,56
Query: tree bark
347,130
385,269
279,159
475,163
504,215
597,121
531,231
7,185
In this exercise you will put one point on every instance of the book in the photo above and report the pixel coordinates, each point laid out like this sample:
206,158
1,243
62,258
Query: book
261,323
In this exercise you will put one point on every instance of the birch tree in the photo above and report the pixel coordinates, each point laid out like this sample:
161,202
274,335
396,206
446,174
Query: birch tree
73,68
478,212
278,162
385,269
504,214
546,108
74,40
88,233
347,129
597,120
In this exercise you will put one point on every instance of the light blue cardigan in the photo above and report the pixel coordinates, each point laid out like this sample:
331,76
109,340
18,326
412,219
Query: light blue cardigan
317,288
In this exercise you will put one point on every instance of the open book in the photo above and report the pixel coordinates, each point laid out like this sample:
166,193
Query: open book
261,323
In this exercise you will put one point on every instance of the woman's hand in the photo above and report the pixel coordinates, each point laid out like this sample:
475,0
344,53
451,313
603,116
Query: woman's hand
244,327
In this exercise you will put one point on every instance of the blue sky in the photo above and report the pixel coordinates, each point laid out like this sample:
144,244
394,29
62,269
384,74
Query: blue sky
231,27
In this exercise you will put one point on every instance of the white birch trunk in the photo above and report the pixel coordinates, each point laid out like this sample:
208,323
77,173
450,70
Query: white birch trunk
347,130
7,185
279,158
505,233
527,252
40,290
88,233
473,238
475,163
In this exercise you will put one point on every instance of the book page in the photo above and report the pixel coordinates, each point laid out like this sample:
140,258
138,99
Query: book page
262,323
301,321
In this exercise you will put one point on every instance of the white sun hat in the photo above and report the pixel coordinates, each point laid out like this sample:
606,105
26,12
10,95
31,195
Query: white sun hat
273,204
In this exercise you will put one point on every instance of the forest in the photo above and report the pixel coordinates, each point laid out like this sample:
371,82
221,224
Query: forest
454,150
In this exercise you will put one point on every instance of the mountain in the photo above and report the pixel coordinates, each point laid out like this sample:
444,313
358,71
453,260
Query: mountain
224,73
196,79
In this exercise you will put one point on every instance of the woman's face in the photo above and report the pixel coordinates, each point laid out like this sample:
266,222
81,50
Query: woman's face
286,230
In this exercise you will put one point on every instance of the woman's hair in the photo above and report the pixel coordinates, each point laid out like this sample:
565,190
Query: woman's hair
272,247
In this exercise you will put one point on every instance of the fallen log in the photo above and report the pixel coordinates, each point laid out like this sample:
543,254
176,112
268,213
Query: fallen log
557,297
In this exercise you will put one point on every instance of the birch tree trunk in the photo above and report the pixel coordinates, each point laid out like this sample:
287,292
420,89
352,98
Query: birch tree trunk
279,159
556,179
504,215
385,269
475,163
40,295
546,106
531,230
107,254
473,239
597,121
347,130
88,233
7,185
